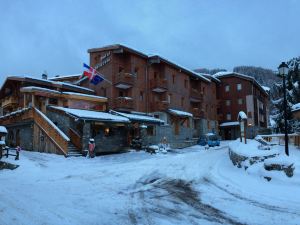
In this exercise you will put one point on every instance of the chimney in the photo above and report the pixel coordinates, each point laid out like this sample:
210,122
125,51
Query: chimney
44,75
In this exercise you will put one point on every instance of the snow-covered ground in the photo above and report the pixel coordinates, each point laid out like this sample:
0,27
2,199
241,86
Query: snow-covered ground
188,186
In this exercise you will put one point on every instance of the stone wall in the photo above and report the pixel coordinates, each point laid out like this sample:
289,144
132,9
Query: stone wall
22,134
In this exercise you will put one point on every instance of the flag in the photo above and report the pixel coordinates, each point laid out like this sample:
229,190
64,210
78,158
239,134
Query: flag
89,71
97,79
93,75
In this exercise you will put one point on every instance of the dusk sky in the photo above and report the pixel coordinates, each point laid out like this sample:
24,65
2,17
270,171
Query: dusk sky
55,35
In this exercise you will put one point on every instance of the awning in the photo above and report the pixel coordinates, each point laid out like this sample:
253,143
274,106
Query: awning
92,115
179,113
138,117
230,124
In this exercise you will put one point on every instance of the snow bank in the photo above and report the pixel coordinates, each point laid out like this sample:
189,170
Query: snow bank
280,160
251,149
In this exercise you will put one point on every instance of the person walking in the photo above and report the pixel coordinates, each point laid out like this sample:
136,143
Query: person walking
18,150
92,148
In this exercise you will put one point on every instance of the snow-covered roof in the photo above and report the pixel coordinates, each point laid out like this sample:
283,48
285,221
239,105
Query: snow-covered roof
92,115
180,113
209,76
198,75
35,88
296,107
266,88
59,77
242,115
228,124
228,74
3,129
48,83
137,117
14,112
84,95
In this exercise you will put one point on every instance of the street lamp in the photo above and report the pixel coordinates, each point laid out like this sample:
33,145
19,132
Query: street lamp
283,70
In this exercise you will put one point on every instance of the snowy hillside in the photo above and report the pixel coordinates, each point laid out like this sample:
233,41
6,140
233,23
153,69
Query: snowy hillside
190,186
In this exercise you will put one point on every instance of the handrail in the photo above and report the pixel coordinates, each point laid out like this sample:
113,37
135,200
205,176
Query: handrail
51,130
75,138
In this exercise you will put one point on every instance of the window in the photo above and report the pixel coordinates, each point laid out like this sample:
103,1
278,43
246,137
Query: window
53,101
121,94
155,75
227,88
103,91
240,101
228,116
169,98
136,70
185,83
141,96
150,130
121,69
228,102
239,87
173,78
203,90
182,101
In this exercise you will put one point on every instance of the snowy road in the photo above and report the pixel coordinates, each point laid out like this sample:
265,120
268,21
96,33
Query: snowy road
189,186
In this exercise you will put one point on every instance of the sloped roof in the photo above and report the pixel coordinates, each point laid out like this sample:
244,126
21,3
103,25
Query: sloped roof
92,115
138,117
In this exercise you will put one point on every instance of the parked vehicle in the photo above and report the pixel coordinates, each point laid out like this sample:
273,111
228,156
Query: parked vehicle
209,139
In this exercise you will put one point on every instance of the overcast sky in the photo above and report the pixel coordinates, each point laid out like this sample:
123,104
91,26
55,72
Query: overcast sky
55,35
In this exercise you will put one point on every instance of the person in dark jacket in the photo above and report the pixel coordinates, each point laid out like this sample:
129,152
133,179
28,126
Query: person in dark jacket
18,150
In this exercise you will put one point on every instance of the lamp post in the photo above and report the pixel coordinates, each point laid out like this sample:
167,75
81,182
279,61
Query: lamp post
283,70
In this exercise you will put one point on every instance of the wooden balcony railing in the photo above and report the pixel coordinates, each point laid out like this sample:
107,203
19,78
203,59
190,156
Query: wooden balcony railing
196,95
17,116
75,139
124,78
57,137
158,84
9,100
124,102
159,106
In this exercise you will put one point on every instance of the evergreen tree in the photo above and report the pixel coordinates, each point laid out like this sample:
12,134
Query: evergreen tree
293,97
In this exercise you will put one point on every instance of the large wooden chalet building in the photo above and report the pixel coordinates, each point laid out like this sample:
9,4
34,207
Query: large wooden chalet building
142,96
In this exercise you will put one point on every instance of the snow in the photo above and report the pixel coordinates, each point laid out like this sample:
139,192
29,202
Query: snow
84,95
251,149
126,98
3,129
189,186
266,88
227,124
296,107
180,67
14,112
65,76
242,115
138,117
53,125
180,113
92,115
281,160
35,88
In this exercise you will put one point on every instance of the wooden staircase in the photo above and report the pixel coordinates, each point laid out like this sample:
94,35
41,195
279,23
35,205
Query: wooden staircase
73,151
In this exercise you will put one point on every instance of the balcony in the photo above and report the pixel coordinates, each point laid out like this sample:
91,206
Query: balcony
159,106
124,103
124,80
195,95
197,112
9,101
158,85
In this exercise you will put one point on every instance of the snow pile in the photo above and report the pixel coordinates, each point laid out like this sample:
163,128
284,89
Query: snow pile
266,88
296,107
251,149
280,160
242,115
3,129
